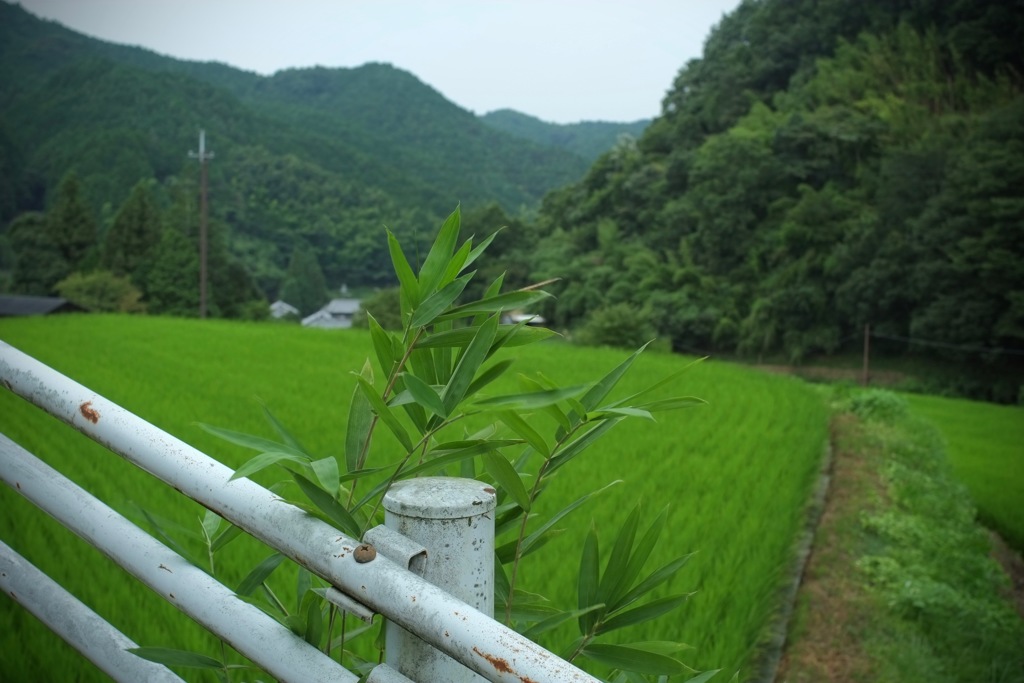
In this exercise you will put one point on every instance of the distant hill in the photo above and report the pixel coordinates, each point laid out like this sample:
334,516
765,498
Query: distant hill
325,156
401,134
588,139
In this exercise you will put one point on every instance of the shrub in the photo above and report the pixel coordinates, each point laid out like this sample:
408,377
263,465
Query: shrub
878,404
101,291
619,325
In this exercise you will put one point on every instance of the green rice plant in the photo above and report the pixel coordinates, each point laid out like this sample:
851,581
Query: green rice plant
735,475
985,446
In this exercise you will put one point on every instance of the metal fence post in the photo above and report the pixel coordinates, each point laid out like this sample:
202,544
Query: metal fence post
453,519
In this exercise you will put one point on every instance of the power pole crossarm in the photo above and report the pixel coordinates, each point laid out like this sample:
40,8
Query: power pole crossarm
203,157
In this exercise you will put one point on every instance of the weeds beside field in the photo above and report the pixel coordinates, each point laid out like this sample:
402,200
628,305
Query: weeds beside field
901,586
736,474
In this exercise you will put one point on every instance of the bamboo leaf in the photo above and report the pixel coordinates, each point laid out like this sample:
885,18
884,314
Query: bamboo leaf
475,254
259,574
228,534
557,517
360,420
422,363
637,560
646,612
264,460
443,356
655,579
439,458
668,379
211,522
424,394
326,503
170,657
672,403
495,304
406,278
588,582
385,414
531,401
556,620
618,559
487,376
507,552
633,659
160,528
603,413
507,478
469,363
523,429
251,442
581,443
383,347
518,335
282,432
432,307
440,254
494,289
458,262
326,472
314,624
603,386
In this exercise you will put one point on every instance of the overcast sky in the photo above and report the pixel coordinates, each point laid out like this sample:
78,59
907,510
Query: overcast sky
559,60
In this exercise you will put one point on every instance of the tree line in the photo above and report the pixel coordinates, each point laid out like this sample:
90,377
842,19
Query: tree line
823,167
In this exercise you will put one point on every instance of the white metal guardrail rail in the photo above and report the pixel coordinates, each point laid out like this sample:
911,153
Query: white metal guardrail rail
442,627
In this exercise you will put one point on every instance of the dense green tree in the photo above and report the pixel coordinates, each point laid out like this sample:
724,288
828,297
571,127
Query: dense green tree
38,263
129,244
385,307
173,282
304,286
70,223
970,277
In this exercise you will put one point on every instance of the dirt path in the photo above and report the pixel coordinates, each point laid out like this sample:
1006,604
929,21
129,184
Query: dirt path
832,612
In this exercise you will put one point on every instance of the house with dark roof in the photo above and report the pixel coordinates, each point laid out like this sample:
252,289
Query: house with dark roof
16,304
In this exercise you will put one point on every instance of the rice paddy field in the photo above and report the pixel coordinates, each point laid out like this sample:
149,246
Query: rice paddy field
985,445
736,473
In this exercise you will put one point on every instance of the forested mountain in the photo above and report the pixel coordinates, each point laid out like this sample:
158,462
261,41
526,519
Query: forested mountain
317,157
588,139
823,166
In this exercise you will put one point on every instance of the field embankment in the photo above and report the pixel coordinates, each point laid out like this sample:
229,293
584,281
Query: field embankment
902,584
735,474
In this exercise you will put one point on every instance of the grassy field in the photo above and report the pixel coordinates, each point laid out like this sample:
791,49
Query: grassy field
985,445
736,473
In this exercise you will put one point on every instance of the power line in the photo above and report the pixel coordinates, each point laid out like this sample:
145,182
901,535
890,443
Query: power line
945,345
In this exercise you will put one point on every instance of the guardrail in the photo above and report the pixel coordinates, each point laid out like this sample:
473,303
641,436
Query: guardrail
437,602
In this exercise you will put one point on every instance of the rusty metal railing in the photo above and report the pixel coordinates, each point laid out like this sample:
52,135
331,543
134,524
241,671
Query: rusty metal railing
380,582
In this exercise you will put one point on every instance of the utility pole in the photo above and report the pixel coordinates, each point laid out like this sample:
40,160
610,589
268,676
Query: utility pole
203,157
866,374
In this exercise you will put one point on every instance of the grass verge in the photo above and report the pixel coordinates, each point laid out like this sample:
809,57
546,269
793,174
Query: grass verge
901,585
